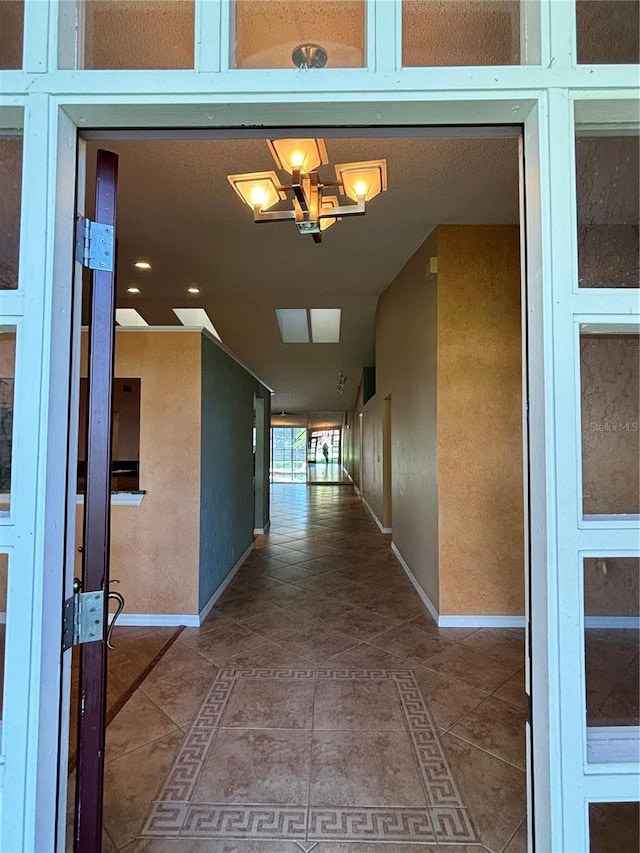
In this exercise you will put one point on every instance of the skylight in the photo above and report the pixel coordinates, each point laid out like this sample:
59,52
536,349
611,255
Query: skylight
129,317
294,327
325,325
197,317
295,323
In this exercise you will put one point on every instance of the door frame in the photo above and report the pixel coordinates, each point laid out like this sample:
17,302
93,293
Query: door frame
27,812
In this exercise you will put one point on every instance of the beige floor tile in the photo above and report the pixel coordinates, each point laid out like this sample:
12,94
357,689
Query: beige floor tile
360,847
357,705
217,645
513,691
365,656
256,766
277,624
209,845
288,573
471,666
267,656
318,606
270,704
518,842
245,607
287,595
493,791
316,644
448,700
607,835
366,769
131,783
360,624
179,683
125,732
506,645
497,727
408,641
427,623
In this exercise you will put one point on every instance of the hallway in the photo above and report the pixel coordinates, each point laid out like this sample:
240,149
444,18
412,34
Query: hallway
320,708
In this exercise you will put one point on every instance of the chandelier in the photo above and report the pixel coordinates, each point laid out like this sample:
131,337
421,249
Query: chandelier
315,205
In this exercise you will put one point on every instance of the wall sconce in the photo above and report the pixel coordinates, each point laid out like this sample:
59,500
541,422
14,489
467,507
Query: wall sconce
315,203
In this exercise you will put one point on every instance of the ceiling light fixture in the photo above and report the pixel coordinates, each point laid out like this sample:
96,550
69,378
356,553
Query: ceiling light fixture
313,209
342,381
142,265
133,290
193,289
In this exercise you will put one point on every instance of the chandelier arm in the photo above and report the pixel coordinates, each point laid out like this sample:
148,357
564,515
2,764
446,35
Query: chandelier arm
272,215
357,209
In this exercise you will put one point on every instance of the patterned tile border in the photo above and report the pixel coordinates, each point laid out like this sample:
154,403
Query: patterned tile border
444,821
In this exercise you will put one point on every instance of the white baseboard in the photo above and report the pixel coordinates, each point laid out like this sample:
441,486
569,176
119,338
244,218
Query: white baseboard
356,490
423,595
225,583
462,621
483,621
189,620
376,519
612,622
258,531
613,744
156,620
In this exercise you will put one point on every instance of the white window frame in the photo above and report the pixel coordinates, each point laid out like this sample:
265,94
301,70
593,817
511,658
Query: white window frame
547,98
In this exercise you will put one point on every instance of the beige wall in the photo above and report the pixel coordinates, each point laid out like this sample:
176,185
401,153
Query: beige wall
155,546
406,370
479,421
448,353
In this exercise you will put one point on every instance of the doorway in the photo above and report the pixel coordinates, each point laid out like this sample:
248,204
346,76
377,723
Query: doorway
293,449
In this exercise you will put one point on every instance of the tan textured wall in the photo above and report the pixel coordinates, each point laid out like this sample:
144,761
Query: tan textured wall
406,370
371,475
155,546
460,32
479,421
610,379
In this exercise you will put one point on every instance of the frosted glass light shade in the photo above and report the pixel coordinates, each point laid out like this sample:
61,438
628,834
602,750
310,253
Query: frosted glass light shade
257,189
363,180
303,154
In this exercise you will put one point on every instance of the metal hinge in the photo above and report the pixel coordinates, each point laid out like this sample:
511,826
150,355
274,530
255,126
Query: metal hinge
94,244
83,617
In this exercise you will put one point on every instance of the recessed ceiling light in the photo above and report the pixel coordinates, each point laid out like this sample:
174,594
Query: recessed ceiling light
193,289
133,290
142,265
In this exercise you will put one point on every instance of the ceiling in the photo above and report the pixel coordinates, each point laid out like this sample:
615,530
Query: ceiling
177,209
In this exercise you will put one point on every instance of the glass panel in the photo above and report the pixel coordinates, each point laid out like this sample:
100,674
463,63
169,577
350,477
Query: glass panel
288,455
4,571
610,378
614,827
460,32
12,28
138,34
608,191
612,649
267,32
7,374
10,195
607,31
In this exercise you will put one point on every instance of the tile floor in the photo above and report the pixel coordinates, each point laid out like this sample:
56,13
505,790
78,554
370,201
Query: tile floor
320,708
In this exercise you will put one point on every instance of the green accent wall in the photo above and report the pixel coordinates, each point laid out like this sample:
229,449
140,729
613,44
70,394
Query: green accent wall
226,477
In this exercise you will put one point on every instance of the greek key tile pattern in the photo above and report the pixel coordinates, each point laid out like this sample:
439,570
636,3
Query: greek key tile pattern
443,821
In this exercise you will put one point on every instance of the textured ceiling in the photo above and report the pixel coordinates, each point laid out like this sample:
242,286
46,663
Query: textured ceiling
177,209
